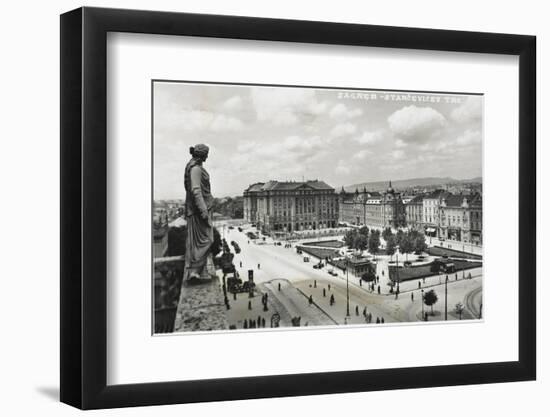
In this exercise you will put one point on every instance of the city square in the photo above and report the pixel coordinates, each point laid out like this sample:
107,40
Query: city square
305,207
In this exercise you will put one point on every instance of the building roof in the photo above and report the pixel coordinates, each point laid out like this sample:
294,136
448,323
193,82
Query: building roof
437,194
455,200
288,185
417,199
255,187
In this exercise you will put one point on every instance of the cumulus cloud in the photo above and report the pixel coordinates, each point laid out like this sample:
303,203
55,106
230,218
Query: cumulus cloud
362,154
414,123
234,103
341,112
469,137
398,154
469,111
370,138
284,106
198,120
343,129
343,168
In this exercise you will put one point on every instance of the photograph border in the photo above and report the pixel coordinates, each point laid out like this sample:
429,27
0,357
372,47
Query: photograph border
83,177
242,84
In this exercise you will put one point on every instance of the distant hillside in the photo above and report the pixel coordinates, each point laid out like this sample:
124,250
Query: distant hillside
413,182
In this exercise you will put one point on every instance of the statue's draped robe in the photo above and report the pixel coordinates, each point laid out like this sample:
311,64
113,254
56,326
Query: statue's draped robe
198,204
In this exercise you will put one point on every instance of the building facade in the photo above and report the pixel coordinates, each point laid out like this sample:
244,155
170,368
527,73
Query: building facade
414,213
462,218
372,209
431,212
277,206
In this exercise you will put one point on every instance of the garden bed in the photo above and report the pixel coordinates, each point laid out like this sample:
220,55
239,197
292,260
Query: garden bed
320,253
421,271
452,253
325,243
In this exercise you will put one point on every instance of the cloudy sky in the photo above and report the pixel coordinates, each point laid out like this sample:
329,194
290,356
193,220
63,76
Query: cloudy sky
284,133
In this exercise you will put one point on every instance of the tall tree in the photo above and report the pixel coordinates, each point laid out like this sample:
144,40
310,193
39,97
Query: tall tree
430,298
387,233
364,230
374,242
406,245
420,243
360,242
349,238
390,246
398,237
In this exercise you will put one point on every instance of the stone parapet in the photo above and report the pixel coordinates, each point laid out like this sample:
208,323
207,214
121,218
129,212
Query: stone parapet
201,307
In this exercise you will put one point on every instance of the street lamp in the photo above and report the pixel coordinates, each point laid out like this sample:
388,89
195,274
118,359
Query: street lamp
422,302
347,287
446,280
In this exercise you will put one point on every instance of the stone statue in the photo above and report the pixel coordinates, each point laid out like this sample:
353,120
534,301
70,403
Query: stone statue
199,266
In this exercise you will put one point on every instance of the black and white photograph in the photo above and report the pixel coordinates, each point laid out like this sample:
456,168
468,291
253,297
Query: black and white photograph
296,206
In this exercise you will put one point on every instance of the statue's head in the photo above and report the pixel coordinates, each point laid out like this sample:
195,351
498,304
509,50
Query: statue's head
199,151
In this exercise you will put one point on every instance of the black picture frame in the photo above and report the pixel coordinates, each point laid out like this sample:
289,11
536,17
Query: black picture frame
84,207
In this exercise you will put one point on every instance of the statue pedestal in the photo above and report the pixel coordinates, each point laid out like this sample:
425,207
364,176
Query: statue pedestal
201,305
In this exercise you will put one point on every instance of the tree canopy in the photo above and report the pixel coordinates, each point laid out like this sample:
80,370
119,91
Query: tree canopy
430,298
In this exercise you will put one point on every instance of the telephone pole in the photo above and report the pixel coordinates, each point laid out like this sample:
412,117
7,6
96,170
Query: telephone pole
446,280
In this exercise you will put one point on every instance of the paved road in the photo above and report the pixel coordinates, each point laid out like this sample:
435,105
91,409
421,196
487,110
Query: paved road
277,262
472,302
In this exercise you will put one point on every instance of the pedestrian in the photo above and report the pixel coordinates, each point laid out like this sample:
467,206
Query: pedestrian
263,322
379,290
419,285
329,287
377,320
382,320
259,321
279,286
331,299
412,296
314,283
324,292
377,278
382,273
356,310
240,264
365,312
249,304
258,266
310,300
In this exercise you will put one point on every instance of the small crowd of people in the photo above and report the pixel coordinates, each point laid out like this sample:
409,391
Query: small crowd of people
254,323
